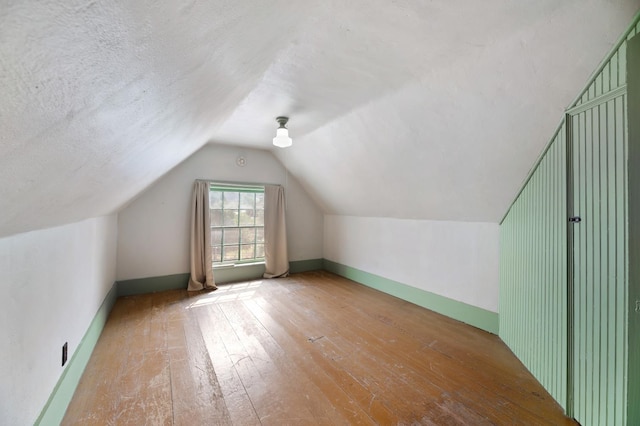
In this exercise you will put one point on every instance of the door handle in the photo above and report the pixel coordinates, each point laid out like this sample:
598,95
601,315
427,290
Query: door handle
575,219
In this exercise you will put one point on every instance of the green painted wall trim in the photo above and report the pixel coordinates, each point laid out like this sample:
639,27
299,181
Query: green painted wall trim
56,406
152,284
472,315
238,273
222,276
306,265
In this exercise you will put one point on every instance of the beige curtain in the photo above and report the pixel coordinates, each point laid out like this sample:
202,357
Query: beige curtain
276,257
201,269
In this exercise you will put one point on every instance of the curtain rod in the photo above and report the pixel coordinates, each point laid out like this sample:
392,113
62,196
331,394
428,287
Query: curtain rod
224,182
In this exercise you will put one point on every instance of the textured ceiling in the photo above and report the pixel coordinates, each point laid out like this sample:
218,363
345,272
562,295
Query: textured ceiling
432,110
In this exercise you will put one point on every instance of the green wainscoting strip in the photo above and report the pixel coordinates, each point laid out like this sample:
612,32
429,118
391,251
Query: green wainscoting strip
152,284
56,406
533,296
472,315
305,265
221,275
238,273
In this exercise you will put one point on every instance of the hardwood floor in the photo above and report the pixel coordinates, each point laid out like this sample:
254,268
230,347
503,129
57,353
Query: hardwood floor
313,348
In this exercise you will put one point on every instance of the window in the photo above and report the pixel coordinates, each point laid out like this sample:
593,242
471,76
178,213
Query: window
237,224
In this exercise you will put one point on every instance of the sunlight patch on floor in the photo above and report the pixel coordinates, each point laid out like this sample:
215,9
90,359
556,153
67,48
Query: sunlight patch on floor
227,293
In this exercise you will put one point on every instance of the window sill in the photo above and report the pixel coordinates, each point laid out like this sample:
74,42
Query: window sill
237,265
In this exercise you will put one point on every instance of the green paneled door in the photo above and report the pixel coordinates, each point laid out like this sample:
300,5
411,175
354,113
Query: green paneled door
633,298
598,259
583,285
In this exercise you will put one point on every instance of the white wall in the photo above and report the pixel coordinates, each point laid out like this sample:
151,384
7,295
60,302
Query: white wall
458,260
153,230
52,283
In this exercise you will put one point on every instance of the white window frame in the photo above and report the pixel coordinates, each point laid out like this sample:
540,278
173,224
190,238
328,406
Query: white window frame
257,243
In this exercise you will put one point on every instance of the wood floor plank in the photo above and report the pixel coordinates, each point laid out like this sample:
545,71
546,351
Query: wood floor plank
491,358
452,347
417,357
237,401
313,348
315,371
196,394
250,329
415,392
329,358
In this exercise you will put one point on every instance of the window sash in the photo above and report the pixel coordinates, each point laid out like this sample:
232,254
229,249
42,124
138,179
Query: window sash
257,245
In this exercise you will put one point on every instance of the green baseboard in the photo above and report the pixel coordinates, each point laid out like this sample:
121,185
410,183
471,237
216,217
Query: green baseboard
55,408
306,265
222,276
152,284
472,315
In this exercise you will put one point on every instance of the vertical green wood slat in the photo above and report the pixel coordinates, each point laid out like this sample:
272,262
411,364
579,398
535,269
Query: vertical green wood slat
585,266
606,78
622,65
596,284
599,284
605,287
614,70
583,298
621,305
620,338
551,254
598,85
611,228
572,124
561,270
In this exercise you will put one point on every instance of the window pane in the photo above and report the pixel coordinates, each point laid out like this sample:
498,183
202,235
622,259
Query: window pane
230,252
248,235
246,200
216,237
231,236
216,217
216,254
215,200
259,217
230,218
231,200
237,220
246,217
247,251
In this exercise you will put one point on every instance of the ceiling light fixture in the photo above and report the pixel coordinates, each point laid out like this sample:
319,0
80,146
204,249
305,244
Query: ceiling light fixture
282,138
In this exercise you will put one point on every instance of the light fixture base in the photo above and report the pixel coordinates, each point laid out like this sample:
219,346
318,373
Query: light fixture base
282,139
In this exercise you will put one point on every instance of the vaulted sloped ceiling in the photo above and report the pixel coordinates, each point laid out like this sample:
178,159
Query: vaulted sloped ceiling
429,110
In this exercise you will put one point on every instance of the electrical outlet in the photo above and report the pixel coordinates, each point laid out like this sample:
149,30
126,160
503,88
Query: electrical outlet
64,353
